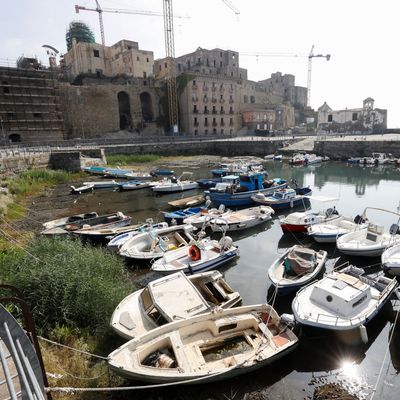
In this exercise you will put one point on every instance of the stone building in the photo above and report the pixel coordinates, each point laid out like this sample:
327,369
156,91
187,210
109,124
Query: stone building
259,120
365,119
111,105
122,58
30,109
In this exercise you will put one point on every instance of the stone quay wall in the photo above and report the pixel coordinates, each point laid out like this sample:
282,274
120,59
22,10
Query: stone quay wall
344,149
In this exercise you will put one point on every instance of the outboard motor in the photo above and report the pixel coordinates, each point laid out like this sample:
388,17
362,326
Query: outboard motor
394,229
221,208
225,242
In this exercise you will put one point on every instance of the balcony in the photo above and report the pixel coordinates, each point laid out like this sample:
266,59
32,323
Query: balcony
195,111
231,101
214,124
214,100
231,112
231,123
195,98
206,124
222,112
196,123
214,111
205,111
222,123
222,101
205,99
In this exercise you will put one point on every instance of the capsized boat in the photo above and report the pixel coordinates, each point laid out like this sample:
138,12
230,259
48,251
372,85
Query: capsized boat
298,222
156,304
198,256
70,219
178,216
342,300
175,184
100,222
118,240
242,219
155,242
370,242
391,260
284,198
239,193
328,232
82,189
190,201
296,267
213,346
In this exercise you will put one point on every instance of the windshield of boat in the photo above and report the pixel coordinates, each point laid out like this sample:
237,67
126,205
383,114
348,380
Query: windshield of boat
150,308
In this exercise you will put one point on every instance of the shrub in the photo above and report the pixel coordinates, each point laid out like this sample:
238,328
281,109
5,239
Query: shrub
67,283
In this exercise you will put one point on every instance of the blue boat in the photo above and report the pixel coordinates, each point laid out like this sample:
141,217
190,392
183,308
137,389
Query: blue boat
95,170
208,183
180,215
162,172
133,185
283,199
239,194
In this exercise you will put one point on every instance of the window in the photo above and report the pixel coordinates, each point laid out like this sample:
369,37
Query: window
10,115
258,126
165,65
245,99
265,126
252,99
195,132
159,67
96,53
144,83
230,110
220,63
137,58
231,131
231,73
215,63
6,90
258,117
205,110
222,110
144,74
330,118
222,122
354,117
221,96
222,131
214,131
205,121
37,115
230,121
147,59
195,108
265,117
194,83
206,131
198,60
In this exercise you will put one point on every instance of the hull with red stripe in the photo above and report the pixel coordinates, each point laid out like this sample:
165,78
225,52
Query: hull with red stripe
294,228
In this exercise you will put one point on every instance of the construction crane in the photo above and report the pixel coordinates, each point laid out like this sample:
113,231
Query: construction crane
310,56
231,6
100,11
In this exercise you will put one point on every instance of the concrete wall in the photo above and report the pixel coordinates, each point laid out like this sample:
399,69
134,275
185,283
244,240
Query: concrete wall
345,149
16,163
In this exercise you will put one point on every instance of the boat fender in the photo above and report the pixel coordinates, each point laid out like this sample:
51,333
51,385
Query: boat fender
194,253
363,334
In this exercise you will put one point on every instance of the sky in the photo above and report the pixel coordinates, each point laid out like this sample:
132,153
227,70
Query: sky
360,35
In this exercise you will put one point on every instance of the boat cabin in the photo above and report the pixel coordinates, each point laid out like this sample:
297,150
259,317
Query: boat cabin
252,181
343,294
284,194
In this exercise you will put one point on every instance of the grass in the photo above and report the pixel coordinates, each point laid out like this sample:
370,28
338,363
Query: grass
126,159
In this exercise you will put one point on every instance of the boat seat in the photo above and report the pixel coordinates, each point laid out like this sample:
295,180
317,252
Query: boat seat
180,239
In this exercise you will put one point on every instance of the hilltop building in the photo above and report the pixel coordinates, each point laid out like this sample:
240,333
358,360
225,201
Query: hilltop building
365,119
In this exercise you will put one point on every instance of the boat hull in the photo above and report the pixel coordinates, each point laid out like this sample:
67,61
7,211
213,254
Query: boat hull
294,228
240,198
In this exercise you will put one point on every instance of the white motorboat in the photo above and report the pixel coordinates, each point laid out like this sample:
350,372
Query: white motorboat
118,240
342,300
104,184
242,219
296,267
212,346
173,184
391,260
68,220
310,159
82,189
297,159
134,185
198,256
300,221
155,242
328,232
370,242
156,304
206,216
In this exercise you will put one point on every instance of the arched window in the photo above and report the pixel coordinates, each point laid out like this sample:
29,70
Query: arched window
124,107
147,107
14,138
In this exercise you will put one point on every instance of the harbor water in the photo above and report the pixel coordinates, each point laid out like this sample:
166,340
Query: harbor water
369,370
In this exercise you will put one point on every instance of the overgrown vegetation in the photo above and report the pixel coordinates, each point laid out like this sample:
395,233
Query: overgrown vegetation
67,283
125,159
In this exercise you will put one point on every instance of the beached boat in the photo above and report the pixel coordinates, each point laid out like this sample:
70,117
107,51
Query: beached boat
295,268
115,220
310,159
298,222
391,260
284,198
297,159
212,346
156,304
242,219
239,194
177,216
134,185
68,220
328,232
278,157
95,170
155,242
198,256
175,184
104,184
353,160
342,300
370,242
118,240
190,201
82,189
269,157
